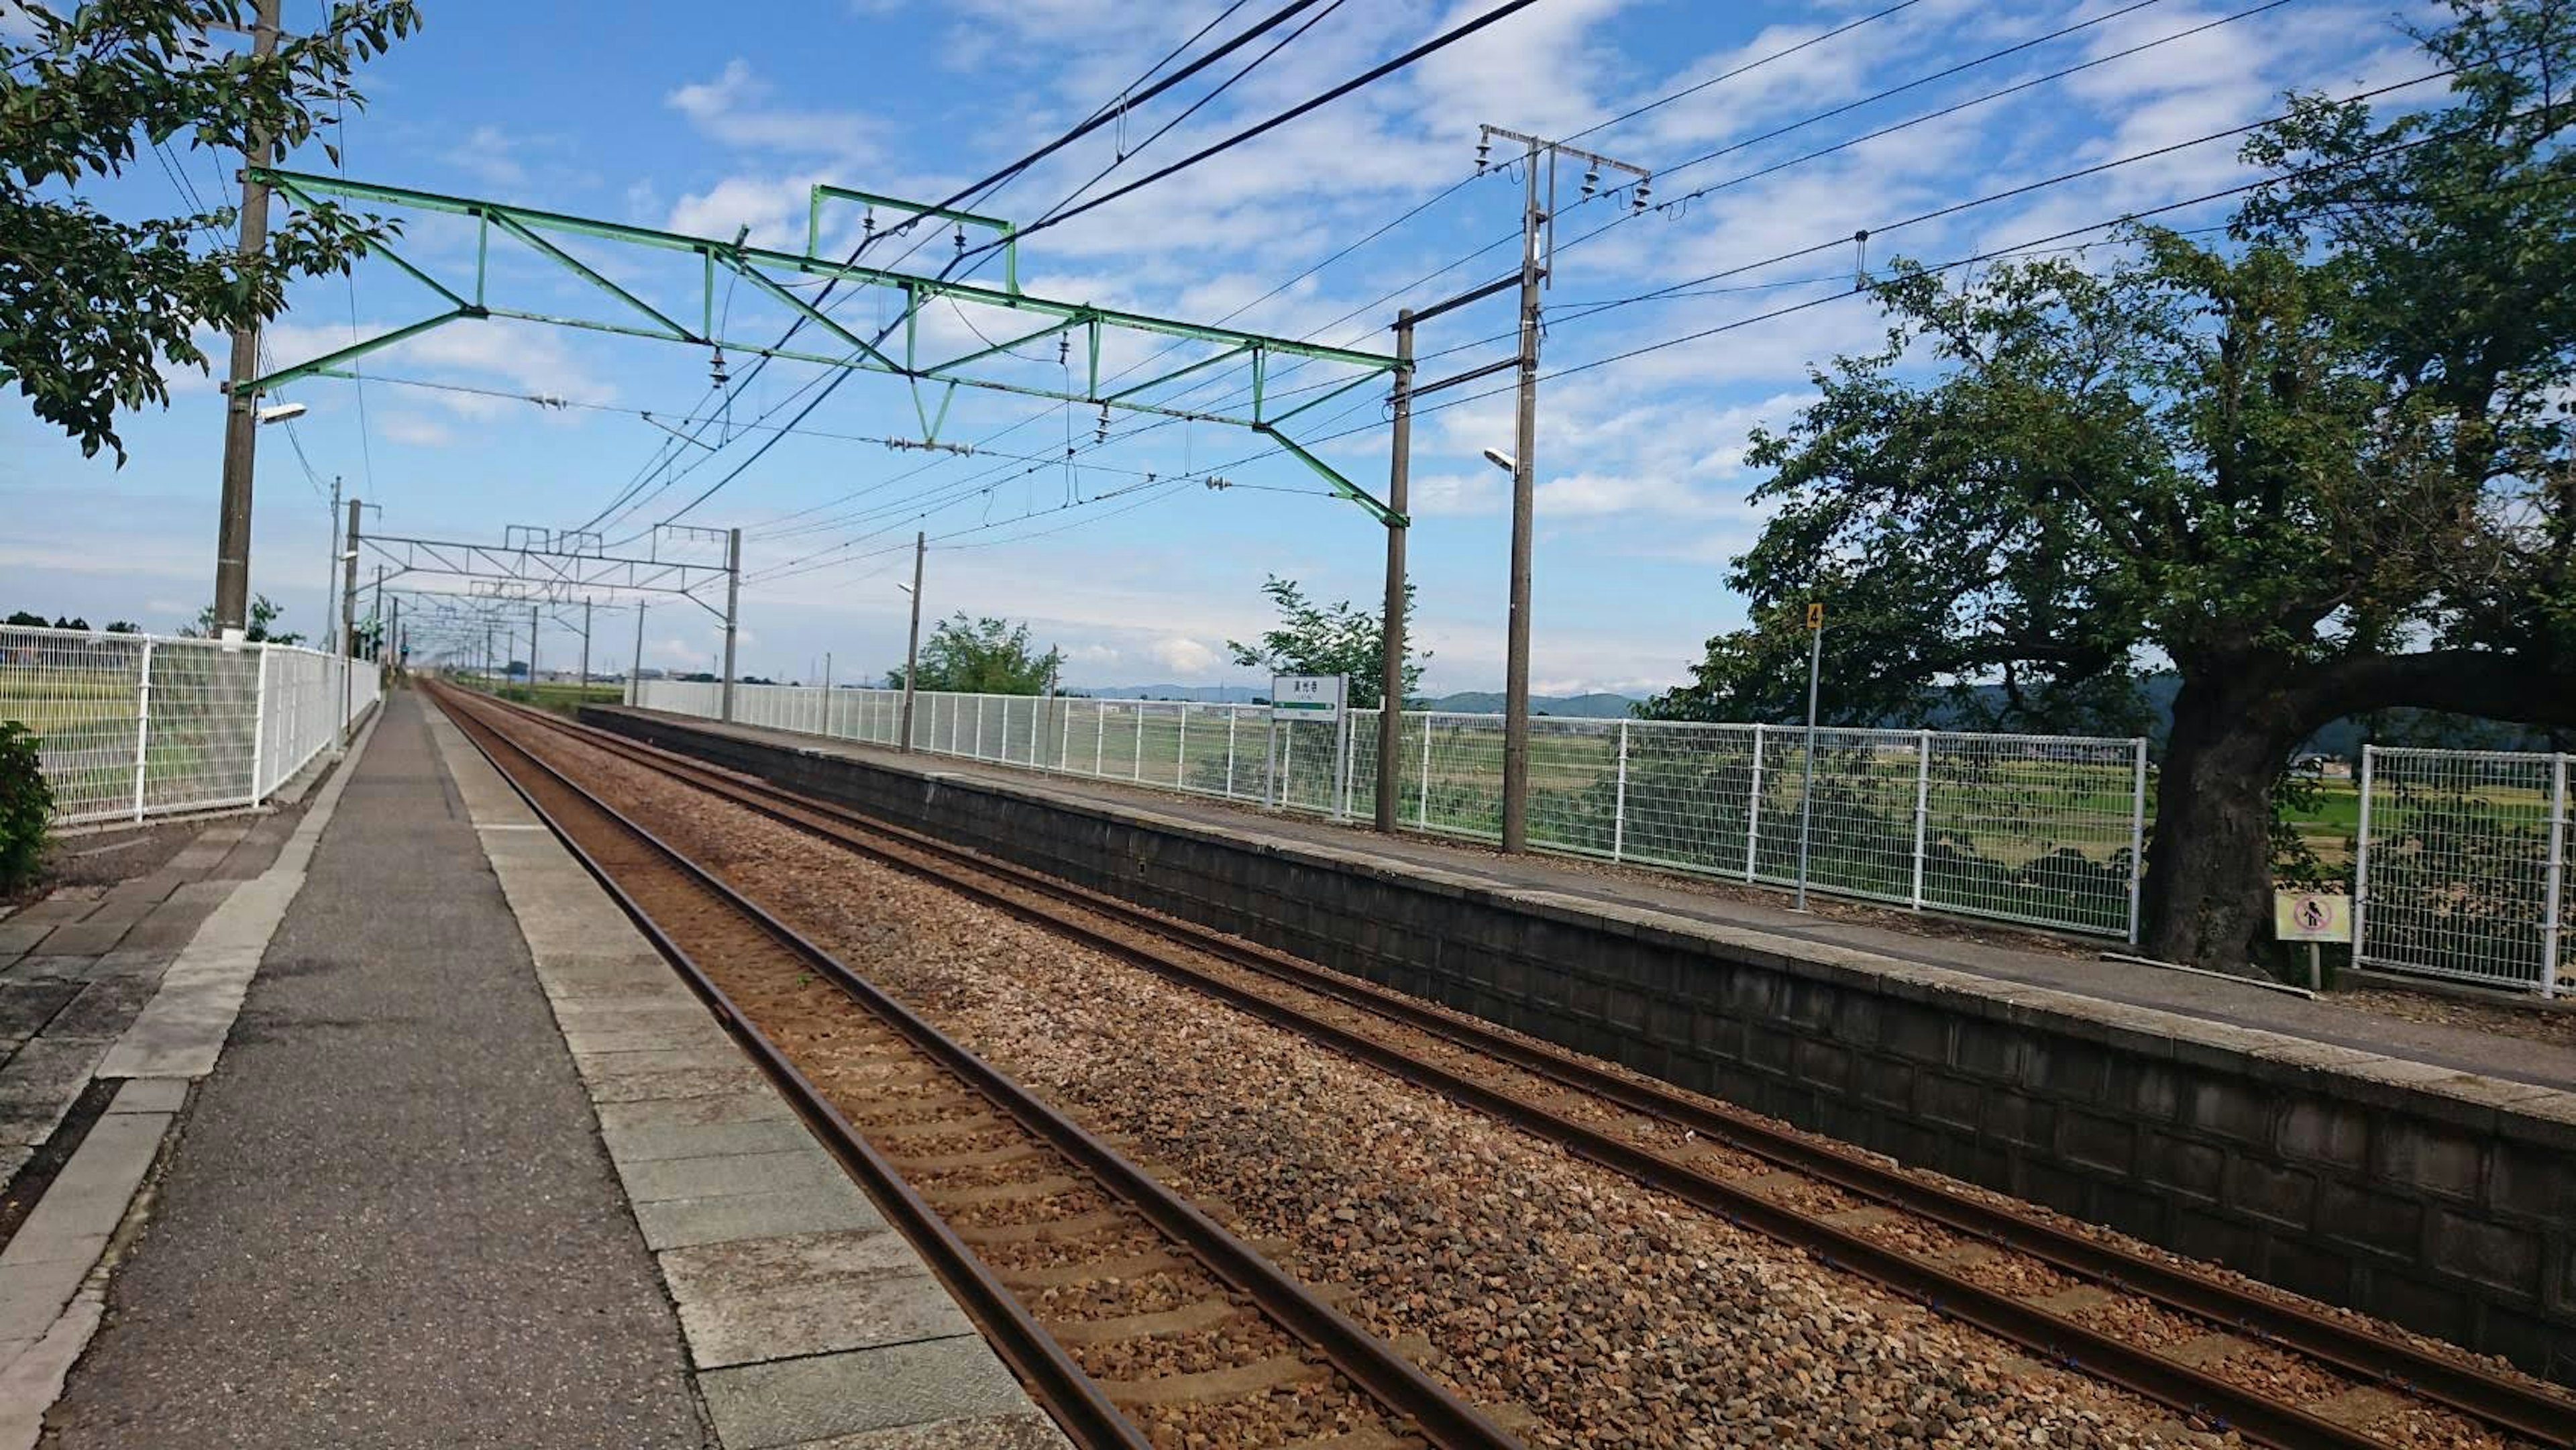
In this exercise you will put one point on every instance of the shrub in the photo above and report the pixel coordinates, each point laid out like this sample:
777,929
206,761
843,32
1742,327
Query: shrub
26,805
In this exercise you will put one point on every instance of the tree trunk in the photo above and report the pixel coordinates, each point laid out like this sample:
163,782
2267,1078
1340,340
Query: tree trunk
2207,897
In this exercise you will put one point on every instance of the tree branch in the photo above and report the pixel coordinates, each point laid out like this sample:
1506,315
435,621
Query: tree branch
2495,684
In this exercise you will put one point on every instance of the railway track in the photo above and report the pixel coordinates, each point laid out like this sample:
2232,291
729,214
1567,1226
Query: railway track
1921,1237
1111,1297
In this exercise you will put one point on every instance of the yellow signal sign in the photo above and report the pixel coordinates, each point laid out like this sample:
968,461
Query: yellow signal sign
1815,616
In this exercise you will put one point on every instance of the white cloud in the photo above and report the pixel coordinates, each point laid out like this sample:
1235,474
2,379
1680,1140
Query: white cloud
486,154
415,430
1185,657
733,108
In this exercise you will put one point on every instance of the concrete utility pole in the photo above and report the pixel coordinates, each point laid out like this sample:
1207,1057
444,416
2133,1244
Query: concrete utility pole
1390,713
330,571
395,637
532,653
1538,255
376,614
348,619
635,676
241,415
912,645
733,610
585,651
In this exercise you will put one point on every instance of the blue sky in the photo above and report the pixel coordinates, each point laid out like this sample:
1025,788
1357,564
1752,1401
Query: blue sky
644,113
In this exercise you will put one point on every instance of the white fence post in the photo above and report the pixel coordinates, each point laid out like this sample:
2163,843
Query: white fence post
1619,807
2138,840
142,725
2556,881
259,732
1422,787
1753,811
1137,772
1099,737
2361,861
978,751
1181,763
1922,809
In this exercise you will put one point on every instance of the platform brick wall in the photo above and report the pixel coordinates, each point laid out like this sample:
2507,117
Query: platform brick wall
2440,1201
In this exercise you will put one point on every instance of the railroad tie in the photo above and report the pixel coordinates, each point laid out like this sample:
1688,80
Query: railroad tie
988,1158
1367,1437
2356,1407
2205,1350
1231,1383
1205,1314
1058,1276
1026,1188
1061,1230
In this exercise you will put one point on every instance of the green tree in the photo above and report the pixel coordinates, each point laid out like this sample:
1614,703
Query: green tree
92,306
1334,639
264,612
25,619
982,656
2320,471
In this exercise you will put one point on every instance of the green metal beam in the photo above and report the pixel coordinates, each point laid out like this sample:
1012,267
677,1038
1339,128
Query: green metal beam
1006,233
1342,487
526,225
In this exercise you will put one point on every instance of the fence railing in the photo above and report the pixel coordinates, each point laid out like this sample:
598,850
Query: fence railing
137,725
2045,830
2460,867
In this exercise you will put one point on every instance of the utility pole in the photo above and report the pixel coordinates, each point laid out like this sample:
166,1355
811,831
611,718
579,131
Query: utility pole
1390,713
532,653
348,620
912,646
635,676
330,569
241,415
585,653
1538,255
396,635
376,615
733,611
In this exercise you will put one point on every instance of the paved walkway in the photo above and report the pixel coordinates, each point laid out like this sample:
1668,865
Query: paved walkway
2210,999
386,1220
447,1156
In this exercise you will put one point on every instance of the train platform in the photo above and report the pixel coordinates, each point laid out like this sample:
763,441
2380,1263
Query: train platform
417,1141
2436,1032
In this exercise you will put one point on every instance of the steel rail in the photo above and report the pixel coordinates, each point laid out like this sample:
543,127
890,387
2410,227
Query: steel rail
2372,1357
1442,1418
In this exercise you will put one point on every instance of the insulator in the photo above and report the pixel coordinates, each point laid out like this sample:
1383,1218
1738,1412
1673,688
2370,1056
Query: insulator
961,238
1591,181
1639,199
869,221
1484,150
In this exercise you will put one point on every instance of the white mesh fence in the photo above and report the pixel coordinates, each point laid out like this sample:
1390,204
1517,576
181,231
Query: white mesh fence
2460,869
2038,829
132,725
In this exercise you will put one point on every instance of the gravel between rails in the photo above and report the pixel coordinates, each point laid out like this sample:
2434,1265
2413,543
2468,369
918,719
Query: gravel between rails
1616,1316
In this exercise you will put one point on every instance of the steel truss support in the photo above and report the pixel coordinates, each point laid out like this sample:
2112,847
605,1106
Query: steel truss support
634,316
524,573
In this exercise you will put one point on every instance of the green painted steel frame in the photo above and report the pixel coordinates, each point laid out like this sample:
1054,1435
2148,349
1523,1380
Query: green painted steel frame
526,226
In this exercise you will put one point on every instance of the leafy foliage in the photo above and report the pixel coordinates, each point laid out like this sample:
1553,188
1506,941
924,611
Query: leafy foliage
985,656
263,620
1334,639
91,306
2321,470
26,806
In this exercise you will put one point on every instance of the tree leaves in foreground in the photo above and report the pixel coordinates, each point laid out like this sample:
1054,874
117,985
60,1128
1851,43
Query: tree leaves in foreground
92,306
2321,470
982,656
1330,639
264,612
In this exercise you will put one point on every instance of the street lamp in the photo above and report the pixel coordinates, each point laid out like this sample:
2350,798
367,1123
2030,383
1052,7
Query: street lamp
280,412
1500,459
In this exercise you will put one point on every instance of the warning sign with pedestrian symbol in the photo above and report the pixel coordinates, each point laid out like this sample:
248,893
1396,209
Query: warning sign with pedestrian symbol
2311,916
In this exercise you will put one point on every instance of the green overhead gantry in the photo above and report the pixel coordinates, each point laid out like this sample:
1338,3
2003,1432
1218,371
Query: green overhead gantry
529,228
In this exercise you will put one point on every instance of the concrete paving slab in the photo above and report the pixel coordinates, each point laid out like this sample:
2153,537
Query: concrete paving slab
103,1010
784,1171
980,1432
20,937
46,966
25,1007
682,1222
657,1142
151,1095
783,1298
699,1036
82,939
793,1401
756,1104
695,1082
208,894
169,926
